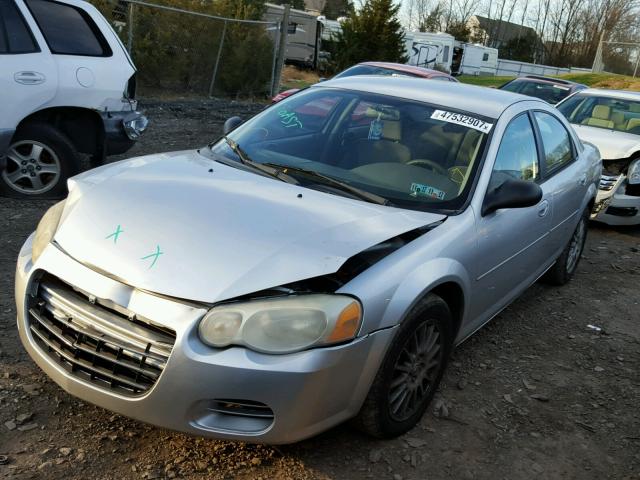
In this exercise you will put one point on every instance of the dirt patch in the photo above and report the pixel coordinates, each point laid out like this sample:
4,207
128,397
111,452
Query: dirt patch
534,394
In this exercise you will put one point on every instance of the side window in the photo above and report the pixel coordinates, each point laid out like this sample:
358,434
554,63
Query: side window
485,57
68,30
517,156
15,36
556,141
445,54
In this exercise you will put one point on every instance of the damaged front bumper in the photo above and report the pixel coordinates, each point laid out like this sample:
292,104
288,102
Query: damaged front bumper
91,341
617,202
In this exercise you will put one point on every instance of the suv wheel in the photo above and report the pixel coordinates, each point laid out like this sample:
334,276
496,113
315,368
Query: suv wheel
410,372
38,163
567,263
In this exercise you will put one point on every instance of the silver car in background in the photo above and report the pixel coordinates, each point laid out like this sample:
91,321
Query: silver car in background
318,263
610,120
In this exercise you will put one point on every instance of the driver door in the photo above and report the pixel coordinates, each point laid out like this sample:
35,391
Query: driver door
512,242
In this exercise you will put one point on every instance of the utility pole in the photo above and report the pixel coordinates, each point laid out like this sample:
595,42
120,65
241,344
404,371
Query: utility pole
598,66
282,48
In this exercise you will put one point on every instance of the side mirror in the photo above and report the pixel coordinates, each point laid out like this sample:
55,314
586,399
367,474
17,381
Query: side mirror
231,124
322,79
512,194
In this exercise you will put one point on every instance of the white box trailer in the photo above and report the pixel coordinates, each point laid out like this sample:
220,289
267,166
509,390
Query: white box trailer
303,35
430,49
474,59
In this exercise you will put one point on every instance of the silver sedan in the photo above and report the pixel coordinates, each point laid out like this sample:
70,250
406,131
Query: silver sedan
317,263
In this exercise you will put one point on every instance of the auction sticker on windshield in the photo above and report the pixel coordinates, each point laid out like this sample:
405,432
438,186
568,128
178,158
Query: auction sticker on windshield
460,119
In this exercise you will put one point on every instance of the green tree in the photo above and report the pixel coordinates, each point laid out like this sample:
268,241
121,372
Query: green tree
459,30
176,52
372,33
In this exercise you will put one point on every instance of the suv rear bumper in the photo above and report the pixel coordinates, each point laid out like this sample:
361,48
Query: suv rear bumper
121,130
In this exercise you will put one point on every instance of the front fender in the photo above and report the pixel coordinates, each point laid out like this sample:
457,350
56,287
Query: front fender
420,282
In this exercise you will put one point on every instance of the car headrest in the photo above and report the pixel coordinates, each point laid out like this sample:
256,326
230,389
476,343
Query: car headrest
602,112
634,107
383,113
391,130
633,123
617,117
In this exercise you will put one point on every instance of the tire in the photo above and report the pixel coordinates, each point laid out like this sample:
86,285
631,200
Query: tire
39,161
567,263
383,417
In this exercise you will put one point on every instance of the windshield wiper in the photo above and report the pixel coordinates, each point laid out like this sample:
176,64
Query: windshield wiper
333,182
264,168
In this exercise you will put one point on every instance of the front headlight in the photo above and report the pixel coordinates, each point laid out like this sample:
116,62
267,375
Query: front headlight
46,229
283,325
633,175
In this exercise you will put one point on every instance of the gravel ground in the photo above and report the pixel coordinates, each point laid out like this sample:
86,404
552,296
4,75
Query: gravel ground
534,394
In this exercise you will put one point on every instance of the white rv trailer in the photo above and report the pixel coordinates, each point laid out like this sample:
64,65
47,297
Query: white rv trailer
330,28
472,59
430,49
303,36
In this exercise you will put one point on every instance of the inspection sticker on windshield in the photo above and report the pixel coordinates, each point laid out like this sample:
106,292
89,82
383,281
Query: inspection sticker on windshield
421,190
460,119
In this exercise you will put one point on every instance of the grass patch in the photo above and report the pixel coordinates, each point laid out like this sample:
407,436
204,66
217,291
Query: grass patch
484,80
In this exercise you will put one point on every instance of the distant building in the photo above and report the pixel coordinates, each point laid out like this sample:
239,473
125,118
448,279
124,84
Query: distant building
497,33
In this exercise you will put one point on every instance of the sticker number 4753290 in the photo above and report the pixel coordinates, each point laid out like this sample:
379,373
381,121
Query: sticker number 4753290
460,119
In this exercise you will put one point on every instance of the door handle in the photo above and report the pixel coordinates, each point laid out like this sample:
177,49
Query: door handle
29,78
543,208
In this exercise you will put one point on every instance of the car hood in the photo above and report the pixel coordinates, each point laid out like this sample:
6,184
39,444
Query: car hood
183,225
612,145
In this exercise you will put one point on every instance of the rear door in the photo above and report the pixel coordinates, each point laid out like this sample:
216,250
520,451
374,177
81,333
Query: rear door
564,176
92,67
28,76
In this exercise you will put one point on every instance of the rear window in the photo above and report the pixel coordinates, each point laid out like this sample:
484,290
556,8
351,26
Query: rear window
15,36
549,92
68,30
371,70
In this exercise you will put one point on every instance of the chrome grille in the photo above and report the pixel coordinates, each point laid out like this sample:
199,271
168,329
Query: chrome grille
95,343
607,182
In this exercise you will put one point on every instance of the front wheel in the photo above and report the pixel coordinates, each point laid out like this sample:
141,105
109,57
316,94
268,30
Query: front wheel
410,372
38,163
567,263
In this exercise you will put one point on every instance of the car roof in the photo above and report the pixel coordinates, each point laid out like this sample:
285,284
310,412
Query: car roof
490,102
400,67
603,92
554,80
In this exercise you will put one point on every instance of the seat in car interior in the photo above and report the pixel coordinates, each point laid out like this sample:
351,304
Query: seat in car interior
600,117
618,119
633,123
384,150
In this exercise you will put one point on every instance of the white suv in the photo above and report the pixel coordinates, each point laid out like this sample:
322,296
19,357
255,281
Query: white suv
67,87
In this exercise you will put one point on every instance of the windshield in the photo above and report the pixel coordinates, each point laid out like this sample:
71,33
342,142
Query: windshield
548,92
603,112
371,70
409,154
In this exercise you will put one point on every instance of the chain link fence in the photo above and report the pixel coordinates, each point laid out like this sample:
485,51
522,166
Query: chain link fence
618,57
182,52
